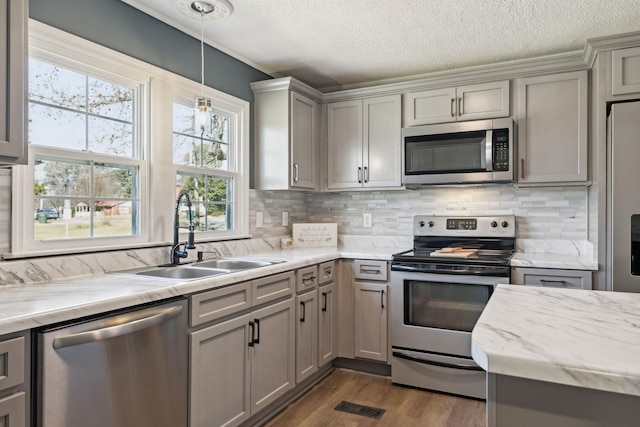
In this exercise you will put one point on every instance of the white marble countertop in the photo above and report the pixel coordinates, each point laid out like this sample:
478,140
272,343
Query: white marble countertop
582,338
558,261
28,305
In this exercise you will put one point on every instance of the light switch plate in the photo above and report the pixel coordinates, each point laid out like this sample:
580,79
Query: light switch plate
259,220
285,219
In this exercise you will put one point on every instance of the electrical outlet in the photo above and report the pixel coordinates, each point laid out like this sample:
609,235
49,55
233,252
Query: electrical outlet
285,219
259,220
367,220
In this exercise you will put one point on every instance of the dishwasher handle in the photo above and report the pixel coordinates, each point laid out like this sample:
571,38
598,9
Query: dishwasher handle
100,334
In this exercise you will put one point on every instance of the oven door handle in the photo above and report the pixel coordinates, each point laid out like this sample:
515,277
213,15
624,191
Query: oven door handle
440,364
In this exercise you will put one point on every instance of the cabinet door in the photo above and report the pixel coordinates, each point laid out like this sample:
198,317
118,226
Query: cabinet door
14,16
273,354
483,101
220,374
371,320
429,106
625,71
552,128
306,335
327,324
304,140
344,140
382,146
12,410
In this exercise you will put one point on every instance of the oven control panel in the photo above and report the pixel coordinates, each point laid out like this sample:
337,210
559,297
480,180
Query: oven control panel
480,226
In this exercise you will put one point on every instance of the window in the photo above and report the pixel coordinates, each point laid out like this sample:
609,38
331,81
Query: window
112,141
79,117
203,156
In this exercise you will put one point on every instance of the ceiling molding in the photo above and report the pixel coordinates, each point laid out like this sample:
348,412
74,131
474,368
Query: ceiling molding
603,44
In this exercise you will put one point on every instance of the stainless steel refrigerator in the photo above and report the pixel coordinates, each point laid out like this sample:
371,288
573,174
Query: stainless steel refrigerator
623,197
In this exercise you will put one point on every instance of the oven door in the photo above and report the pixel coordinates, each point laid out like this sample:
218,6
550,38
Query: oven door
437,312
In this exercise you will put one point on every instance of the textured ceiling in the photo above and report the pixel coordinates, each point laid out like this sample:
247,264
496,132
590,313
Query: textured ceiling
332,44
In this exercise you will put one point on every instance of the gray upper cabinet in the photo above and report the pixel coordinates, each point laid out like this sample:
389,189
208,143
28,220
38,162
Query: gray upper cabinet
470,102
287,135
625,71
363,143
13,81
552,129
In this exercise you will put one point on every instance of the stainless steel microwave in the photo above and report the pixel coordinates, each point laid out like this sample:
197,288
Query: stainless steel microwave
462,152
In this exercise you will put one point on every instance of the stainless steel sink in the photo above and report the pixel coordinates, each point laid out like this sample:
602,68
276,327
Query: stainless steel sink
233,264
183,272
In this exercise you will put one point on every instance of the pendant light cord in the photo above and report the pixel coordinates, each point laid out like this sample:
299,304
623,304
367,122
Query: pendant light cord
202,54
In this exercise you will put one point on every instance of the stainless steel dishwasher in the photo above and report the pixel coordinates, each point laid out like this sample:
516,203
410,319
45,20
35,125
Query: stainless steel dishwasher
126,369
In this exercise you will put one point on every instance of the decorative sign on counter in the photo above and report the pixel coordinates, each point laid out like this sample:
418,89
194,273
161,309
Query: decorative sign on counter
315,235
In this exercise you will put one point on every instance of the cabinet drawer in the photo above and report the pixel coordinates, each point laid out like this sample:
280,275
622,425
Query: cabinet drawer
12,410
11,362
325,272
370,270
306,278
272,288
573,279
211,305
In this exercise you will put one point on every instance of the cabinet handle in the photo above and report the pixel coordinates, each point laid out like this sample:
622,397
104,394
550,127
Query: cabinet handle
453,105
253,332
304,311
562,283
369,271
257,340
309,280
296,172
381,299
366,174
460,107
522,168
324,301
359,175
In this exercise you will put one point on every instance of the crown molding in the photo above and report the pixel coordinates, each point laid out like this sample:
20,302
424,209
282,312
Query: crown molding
286,83
608,43
564,62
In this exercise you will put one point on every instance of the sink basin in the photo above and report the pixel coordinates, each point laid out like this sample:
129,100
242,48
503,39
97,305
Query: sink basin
183,273
233,264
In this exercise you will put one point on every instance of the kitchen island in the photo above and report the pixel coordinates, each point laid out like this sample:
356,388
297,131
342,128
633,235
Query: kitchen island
560,357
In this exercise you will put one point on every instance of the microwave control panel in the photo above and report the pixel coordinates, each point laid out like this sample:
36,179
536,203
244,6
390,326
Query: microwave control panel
501,150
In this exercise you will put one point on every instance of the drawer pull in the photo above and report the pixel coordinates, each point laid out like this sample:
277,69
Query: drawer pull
309,280
370,271
556,283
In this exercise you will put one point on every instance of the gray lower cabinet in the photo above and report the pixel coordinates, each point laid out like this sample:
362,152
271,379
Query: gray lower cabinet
371,320
327,323
14,380
241,365
306,335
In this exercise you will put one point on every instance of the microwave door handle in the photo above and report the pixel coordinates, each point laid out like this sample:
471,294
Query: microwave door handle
489,150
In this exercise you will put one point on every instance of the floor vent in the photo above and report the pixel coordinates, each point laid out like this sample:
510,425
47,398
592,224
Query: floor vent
354,408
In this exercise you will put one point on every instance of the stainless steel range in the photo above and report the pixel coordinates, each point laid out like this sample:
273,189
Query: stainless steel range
438,291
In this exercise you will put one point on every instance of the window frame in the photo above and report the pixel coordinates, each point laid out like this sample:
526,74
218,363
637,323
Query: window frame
156,89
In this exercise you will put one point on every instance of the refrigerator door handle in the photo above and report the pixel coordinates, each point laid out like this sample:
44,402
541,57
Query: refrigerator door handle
123,326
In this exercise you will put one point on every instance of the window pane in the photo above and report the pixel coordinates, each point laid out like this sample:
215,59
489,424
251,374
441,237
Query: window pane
59,178
56,86
114,218
73,221
183,116
220,128
211,197
52,127
110,100
186,150
215,155
114,181
110,137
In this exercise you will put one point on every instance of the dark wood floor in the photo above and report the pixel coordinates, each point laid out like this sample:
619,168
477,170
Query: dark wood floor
404,407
